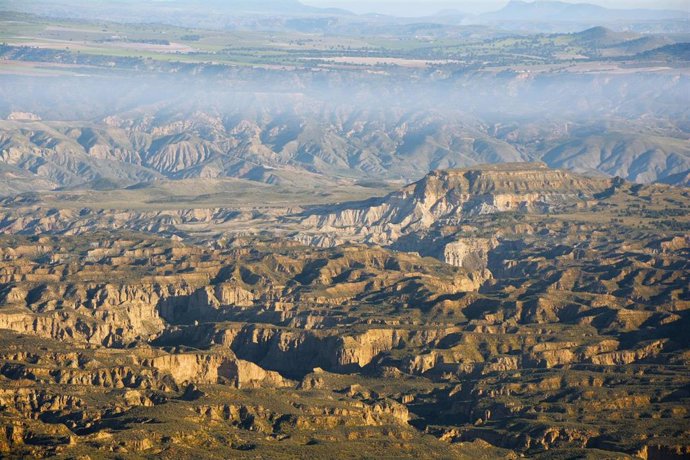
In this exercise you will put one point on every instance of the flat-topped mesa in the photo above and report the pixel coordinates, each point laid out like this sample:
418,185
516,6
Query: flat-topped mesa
447,195
503,187
515,178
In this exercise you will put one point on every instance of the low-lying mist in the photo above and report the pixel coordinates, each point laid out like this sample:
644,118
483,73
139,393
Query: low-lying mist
120,130
495,97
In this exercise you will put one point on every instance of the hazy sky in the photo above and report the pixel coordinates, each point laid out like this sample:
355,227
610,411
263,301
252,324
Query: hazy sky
421,7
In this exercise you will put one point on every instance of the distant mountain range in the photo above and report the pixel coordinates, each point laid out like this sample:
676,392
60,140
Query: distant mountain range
547,10
184,13
75,8
557,16
540,15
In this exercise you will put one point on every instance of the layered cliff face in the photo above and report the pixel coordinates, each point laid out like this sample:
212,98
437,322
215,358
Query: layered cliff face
446,197
495,331
470,253
212,368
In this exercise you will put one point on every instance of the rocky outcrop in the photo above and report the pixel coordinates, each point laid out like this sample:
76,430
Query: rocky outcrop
23,116
469,253
416,217
214,368
445,197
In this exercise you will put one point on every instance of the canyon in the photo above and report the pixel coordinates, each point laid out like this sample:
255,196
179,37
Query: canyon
490,311
264,229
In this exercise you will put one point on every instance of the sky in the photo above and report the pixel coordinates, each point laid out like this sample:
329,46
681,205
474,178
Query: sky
422,7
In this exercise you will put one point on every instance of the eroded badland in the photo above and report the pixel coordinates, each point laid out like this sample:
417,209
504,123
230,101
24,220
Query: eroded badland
483,312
